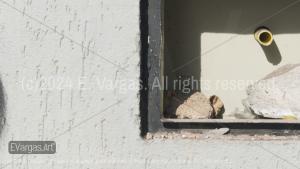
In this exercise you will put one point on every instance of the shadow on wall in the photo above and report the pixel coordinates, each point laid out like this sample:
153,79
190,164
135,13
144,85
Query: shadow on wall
185,21
272,53
2,106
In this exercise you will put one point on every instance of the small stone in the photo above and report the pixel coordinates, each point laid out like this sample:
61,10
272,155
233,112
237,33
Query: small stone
197,106
218,106
219,132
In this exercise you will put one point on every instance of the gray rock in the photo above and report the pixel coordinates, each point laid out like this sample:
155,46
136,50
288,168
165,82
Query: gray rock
277,95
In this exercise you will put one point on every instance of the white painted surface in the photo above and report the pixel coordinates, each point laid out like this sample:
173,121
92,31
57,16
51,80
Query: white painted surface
90,129
231,68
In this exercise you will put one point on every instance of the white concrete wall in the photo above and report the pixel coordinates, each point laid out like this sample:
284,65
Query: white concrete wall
93,128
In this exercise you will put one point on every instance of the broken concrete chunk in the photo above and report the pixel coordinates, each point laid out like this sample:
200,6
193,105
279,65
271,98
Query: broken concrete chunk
197,106
277,95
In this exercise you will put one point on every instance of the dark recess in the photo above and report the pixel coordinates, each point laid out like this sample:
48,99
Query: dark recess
144,74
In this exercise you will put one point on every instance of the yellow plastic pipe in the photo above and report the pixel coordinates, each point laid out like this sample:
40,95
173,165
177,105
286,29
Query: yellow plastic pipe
264,36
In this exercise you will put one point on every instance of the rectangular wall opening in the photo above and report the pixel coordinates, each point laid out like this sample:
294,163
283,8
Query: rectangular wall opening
212,41
205,54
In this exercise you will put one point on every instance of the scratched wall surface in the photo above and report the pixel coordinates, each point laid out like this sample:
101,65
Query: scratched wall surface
58,58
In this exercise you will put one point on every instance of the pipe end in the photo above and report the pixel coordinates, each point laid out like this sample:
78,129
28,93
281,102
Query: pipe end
264,36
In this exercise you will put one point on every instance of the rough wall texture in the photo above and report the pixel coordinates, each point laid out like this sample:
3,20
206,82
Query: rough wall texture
75,42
